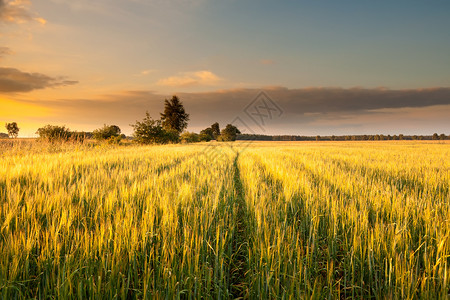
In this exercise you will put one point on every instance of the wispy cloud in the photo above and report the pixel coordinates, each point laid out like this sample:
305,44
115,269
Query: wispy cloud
187,79
5,51
145,72
13,80
16,11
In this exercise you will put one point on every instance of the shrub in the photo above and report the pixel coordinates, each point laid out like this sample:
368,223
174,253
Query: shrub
150,131
203,137
190,137
53,133
229,133
106,132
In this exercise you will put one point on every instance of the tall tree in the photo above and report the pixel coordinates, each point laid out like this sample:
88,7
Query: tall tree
216,130
13,129
174,117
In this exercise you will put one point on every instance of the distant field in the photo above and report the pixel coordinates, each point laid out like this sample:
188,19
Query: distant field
225,220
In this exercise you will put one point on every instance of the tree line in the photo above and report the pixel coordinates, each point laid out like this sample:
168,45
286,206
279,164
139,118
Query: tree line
169,128
375,137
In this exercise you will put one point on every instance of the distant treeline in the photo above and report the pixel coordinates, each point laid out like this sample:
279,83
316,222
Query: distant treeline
376,137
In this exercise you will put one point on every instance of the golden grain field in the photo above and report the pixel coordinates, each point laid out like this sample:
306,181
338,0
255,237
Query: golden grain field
263,220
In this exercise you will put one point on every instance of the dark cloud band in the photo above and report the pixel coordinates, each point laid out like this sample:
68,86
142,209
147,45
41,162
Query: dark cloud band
300,106
13,80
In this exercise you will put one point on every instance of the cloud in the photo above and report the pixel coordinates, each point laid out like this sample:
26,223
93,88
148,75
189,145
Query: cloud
145,72
5,51
14,80
331,100
187,79
16,11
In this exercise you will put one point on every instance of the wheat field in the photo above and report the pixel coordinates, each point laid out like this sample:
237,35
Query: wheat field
260,220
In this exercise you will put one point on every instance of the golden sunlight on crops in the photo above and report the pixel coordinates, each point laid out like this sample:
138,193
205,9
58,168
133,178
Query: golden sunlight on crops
257,220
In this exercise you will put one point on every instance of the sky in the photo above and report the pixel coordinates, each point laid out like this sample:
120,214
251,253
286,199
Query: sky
269,67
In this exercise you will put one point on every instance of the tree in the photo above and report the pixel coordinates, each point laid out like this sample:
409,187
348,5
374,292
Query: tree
229,133
190,137
53,133
13,129
107,132
435,136
442,136
174,117
212,132
207,132
151,131
4,135
204,137
215,130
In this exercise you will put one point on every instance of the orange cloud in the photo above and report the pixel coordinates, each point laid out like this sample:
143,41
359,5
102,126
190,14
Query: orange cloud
190,79
16,11
41,21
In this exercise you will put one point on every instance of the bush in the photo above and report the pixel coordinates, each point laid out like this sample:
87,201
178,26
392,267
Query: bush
208,133
229,133
204,137
54,133
150,131
190,137
114,140
106,132
171,136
